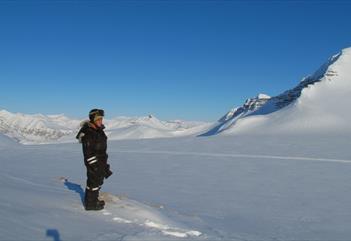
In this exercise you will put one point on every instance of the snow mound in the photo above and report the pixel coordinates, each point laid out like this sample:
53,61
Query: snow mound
317,104
138,132
126,211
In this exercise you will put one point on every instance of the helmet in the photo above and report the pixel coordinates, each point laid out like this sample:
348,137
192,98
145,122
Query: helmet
96,114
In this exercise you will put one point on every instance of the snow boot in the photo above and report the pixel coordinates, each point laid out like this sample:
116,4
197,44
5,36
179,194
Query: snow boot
91,201
101,202
94,206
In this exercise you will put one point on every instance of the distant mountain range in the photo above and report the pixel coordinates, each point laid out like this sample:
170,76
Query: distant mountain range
319,103
41,129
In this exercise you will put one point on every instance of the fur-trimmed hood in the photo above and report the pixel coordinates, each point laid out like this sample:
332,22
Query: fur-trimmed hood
84,126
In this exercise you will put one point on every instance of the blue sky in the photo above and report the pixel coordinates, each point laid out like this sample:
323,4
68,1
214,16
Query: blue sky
191,60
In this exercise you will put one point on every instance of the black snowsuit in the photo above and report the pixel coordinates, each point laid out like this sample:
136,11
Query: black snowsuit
94,143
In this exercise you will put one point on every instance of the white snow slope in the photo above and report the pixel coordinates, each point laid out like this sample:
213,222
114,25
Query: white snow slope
318,104
44,129
219,188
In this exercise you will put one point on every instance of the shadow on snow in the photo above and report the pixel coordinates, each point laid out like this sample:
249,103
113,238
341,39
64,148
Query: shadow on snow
54,234
76,188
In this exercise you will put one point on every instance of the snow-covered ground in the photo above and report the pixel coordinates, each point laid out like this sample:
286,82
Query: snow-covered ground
209,188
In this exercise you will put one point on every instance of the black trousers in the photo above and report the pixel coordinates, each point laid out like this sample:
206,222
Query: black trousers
95,179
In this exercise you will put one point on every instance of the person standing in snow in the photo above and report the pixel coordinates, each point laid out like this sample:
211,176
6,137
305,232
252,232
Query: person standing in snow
94,143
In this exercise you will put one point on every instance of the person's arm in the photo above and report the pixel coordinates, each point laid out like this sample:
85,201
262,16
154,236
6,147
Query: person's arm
89,150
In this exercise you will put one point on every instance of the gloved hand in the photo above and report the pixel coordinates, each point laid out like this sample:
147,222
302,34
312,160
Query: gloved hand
108,172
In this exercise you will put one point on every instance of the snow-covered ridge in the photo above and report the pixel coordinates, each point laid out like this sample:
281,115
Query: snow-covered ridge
314,104
250,106
36,128
41,129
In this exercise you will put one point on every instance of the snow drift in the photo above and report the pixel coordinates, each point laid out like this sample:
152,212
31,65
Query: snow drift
318,104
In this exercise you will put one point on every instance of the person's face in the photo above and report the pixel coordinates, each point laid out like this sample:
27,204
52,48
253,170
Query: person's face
98,122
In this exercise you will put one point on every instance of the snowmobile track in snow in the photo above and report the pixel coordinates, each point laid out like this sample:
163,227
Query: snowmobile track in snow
250,156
